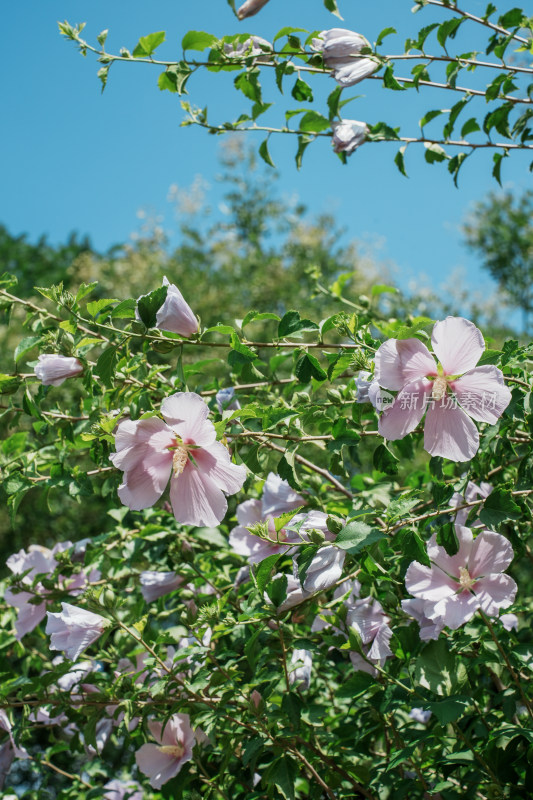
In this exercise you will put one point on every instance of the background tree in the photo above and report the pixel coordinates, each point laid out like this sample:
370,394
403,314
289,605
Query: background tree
501,231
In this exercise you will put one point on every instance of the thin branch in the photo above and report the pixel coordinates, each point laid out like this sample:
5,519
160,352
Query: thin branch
479,20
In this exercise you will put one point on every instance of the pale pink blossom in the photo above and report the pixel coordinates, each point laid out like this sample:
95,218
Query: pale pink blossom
453,588
175,315
420,715
453,390
348,135
341,51
226,400
74,629
429,629
162,761
38,560
53,370
158,584
9,751
184,449
300,668
119,790
252,47
371,623
278,498
250,8
472,492
509,621
325,568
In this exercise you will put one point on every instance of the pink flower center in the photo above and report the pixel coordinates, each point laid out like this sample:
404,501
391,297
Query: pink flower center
465,580
174,750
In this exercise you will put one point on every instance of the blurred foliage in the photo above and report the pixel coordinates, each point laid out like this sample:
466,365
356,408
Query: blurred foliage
501,232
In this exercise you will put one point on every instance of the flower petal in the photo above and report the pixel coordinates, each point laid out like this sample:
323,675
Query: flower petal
483,393
458,344
29,615
187,414
491,552
428,583
406,411
160,767
450,433
196,499
454,611
452,564
325,569
249,512
278,497
215,462
495,592
400,361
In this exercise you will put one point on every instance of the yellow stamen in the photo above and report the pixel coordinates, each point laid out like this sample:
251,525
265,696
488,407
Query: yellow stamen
439,387
465,581
179,459
174,750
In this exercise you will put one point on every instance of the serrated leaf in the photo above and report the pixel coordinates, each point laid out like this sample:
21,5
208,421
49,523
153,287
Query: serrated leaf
149,304
105,366
147,44
265,155
198,40
356,535
23,347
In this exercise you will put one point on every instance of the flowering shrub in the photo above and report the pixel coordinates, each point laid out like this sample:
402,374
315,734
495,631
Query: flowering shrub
316,610
308,529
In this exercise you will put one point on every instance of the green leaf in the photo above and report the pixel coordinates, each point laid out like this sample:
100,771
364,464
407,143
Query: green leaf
258,316
9,384
434,152
302,92
105,366
390,82
313,122
147,44
399,160
149,304
85,289
287,469
384,460
442,492
332,6
291,324
198,40
27,344
309,367
175,78
498,507
287,31
263,571
438,670
97,306
124,310
304,559
385,32
447,538
265,155
283,771
490,357
356,535
303,143
470,126
450,709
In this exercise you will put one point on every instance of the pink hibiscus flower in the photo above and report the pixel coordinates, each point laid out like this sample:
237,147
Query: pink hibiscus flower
368,619
453,390
184,449
162,761
453,588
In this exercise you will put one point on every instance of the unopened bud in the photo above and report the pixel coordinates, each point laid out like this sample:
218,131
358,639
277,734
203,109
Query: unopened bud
335,525
316,536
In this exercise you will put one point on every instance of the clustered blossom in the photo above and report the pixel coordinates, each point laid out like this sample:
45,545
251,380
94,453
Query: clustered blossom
74,629
348,135
454,587
472,492
53,370
341,51
253,47
162,761
38,560
175,315
453,391
9,751
184,448
278,498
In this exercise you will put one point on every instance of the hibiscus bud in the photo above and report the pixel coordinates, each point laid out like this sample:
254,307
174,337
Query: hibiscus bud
108,599
334,395
53,369
250,8
301,397
175,315
334,525
256,700
348,135
316,537
341,50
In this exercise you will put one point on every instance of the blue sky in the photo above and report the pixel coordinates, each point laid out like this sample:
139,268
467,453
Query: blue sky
75,159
